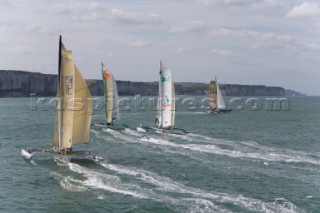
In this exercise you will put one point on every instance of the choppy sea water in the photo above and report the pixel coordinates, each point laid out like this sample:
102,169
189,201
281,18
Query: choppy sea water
242,161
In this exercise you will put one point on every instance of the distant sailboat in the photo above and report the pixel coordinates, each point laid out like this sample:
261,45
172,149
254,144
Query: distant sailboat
165,118
216,102
111,103
73,111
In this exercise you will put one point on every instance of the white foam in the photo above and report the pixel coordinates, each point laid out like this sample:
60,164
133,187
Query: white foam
132,132
167,185
258,152
104,181
118,135
68,183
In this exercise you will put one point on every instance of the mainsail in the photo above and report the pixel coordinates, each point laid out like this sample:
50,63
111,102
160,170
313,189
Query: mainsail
220,102
216,102
166,105
110,95
74,105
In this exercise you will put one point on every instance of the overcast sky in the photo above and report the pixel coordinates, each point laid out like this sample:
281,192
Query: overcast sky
264,42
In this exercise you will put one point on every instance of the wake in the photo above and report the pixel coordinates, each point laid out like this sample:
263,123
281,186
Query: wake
163,190
232,149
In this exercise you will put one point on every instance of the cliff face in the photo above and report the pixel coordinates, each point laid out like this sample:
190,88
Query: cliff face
250,90
22,84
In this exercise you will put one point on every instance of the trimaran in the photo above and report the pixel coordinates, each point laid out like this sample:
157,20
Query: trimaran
73,111
216,102
111,101
166,108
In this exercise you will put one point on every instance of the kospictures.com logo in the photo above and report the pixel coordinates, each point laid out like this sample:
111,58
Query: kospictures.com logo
138,103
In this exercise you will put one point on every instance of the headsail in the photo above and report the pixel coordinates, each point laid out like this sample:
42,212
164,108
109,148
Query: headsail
165,116
110,95
74,106
216,102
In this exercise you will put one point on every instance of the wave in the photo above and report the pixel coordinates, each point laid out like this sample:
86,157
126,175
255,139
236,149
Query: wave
190,199
104,181
165,184
241,149
111,183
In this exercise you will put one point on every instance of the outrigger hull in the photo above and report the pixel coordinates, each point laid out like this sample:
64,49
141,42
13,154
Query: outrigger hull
162,131
220,111
113,127
28,154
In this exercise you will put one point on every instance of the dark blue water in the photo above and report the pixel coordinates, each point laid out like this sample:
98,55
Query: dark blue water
242,161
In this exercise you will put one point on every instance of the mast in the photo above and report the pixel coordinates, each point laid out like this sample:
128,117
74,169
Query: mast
159,106
59,97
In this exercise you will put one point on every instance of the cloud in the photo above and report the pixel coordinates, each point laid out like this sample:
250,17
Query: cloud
192,26
138,44
73,8
221,52
38,29
226,2
267,4
26,29
180,51
271,41
124,17
111,54
21,50
305,10
4,3
94,12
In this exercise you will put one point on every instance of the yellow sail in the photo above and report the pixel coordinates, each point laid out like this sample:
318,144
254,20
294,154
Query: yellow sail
83,110
212,95
76,112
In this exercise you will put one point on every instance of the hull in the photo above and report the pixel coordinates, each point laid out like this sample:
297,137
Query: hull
220,111
113,127
28,154
162,131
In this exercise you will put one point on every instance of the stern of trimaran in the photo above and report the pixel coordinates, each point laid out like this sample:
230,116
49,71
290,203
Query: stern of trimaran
73,111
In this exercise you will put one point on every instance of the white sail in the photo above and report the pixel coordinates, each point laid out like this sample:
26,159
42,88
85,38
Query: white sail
173,106
111,95
74,106
165,103
220,102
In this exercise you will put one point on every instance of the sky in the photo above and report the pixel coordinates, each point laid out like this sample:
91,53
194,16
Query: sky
255,42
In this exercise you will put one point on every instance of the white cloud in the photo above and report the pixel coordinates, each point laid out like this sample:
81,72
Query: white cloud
271,41
124,17
138,44
110,55
38,29
305,10
226,2
267,4
192,26
4,3
73,8
93,12
220,52
180,50
21,50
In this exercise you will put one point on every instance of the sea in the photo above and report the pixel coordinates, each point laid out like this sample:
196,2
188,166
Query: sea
260,157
